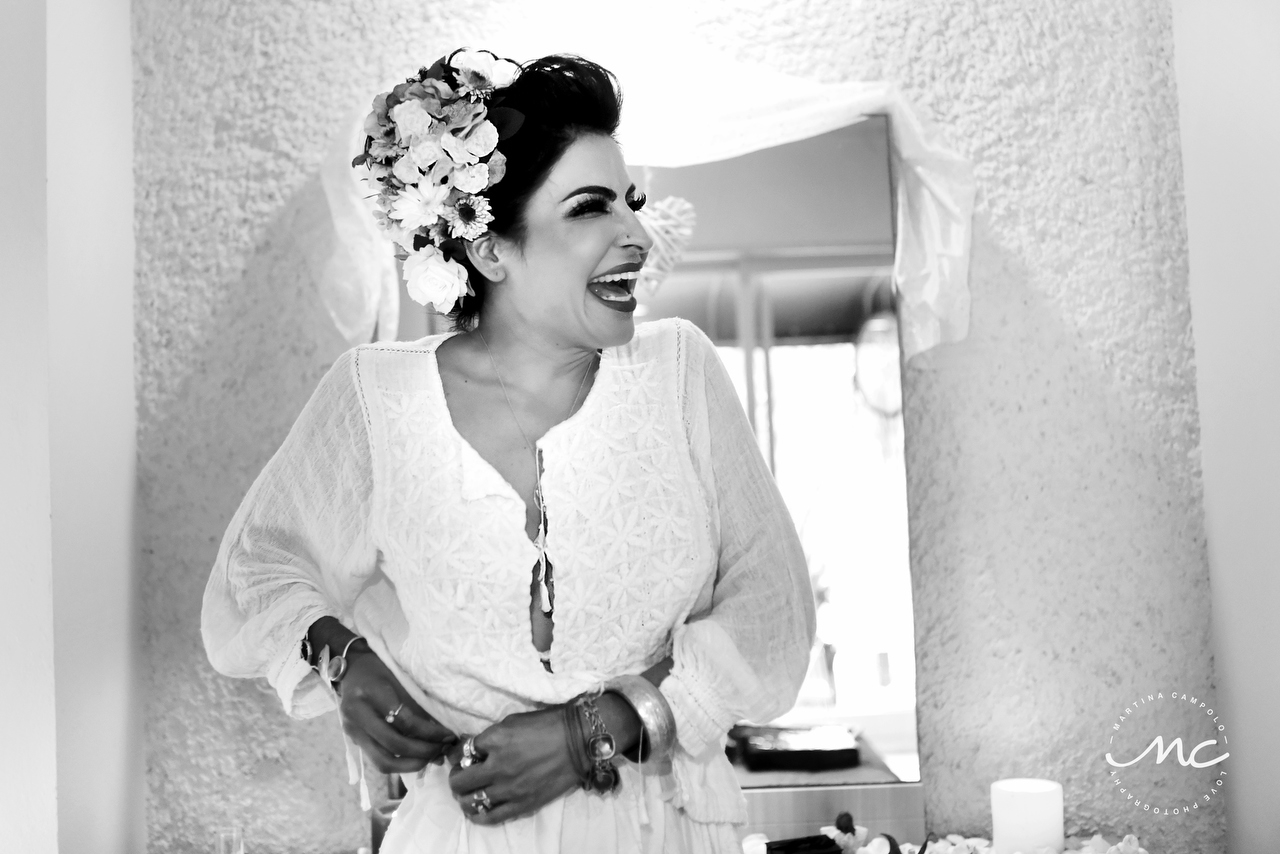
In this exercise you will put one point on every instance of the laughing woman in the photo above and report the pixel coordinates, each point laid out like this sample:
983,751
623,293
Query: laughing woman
543,547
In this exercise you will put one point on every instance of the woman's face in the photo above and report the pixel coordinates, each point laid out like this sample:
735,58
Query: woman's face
579,227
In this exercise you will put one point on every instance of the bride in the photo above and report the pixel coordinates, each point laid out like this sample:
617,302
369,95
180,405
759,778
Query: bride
537,563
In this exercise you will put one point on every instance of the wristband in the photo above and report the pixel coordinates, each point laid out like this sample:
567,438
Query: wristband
576,742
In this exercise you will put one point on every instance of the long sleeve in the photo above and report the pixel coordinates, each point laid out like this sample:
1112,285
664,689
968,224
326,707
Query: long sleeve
298,548
742,654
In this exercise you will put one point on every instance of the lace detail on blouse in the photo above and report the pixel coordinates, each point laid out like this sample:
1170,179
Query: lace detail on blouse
665,528
627,533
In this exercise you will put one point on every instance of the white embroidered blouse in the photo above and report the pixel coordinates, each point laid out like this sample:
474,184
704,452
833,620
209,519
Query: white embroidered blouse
665,528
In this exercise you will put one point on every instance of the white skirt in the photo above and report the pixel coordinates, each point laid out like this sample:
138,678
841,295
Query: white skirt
634,819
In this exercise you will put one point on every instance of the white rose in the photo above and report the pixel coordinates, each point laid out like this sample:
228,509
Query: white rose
432,279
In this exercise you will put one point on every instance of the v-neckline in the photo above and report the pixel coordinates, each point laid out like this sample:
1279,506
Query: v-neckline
605,357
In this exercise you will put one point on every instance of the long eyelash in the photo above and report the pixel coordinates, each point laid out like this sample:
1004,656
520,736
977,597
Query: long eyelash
597,204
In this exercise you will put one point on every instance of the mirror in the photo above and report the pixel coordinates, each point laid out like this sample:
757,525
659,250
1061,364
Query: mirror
789,272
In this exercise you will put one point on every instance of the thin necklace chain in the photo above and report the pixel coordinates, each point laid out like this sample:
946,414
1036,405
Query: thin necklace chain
544,593
506,396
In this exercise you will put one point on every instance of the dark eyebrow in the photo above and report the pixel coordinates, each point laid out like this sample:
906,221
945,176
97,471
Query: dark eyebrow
597,189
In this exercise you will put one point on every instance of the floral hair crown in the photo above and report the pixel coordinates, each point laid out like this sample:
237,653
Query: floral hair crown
431,151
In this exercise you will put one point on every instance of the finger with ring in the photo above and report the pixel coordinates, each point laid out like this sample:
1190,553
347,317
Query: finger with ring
469,754
391,715
480,800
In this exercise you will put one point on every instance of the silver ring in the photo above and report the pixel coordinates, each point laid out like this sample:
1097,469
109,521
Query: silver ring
480,800
468,752
391,715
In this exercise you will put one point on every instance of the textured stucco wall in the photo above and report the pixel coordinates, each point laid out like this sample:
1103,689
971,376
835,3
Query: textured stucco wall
235,102
1057,539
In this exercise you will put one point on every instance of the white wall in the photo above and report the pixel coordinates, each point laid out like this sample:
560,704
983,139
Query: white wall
1227,59
67,439
28,799
1059,561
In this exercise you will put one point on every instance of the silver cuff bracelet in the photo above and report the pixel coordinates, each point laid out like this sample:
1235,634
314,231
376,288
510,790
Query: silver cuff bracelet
659,738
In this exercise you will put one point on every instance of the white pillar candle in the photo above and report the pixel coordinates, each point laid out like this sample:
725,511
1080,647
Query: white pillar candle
1026,816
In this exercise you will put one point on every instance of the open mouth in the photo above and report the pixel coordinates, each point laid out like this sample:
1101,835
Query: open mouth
616,289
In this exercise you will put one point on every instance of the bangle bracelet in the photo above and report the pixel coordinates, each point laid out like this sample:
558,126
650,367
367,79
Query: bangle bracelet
348,646
657,723
338,664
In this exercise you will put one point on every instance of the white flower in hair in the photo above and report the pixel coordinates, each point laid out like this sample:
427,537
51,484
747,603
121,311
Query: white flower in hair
456,148
406,171
430,155
441,174
471,179
412,120
432,279
481,72
469,217
417,206
461,116
497,167
426,151
482,139
382,149
401,237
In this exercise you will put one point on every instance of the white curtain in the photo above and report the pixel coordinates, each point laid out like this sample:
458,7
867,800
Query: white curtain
686,103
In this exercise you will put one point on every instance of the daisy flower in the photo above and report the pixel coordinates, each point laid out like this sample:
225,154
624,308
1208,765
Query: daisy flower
415,207
469,217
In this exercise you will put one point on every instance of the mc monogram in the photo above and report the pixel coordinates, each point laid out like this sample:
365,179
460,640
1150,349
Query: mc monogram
1161,752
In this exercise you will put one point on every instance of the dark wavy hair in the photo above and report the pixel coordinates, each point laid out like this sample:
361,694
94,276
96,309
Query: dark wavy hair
563,97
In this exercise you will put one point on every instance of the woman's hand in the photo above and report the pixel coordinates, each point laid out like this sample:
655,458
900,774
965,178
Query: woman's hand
524,765
369,694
